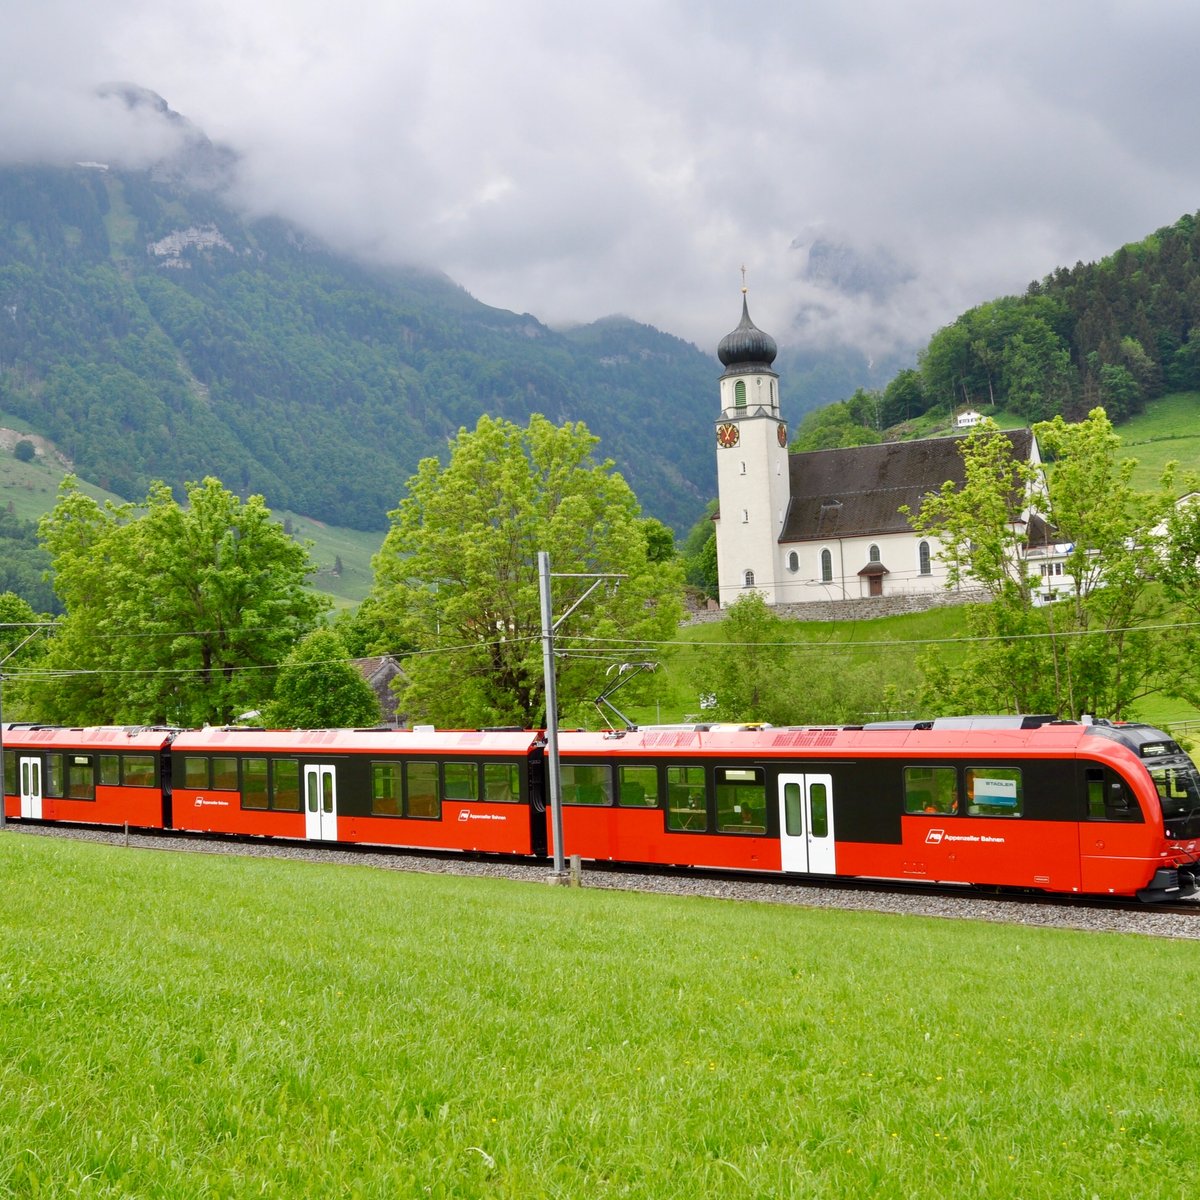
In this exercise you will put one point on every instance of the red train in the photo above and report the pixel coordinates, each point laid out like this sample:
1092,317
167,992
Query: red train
1024,802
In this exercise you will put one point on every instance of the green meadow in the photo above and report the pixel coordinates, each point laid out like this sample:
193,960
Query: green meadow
179,1025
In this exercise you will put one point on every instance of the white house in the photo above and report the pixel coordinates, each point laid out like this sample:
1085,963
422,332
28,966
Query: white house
825,524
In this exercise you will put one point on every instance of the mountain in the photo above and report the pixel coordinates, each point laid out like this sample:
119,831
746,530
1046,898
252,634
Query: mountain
154,332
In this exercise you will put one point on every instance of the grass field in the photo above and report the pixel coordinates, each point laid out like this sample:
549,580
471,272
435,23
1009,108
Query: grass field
176,1025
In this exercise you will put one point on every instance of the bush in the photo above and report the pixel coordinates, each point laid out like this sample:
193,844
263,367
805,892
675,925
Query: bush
25,451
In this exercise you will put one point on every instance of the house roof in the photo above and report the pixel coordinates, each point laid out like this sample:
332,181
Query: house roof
858,491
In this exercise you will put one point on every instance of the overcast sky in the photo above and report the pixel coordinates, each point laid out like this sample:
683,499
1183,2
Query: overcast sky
630,156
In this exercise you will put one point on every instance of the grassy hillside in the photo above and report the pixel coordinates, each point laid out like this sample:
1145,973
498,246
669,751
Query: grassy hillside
32,488
1168,430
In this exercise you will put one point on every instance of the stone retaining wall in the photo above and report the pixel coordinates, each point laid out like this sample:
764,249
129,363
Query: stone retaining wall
860,610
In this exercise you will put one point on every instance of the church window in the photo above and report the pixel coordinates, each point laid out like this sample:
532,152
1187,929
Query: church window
923,556
743,468
873,553
739,393
745,516
749,579
826,567
793,562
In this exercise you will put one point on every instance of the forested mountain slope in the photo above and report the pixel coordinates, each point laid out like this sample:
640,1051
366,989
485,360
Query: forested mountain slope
151,332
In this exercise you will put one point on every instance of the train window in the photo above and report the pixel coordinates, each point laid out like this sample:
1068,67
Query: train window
932,790
53,779
224,775
10,773
137,770
501,783
460,781
639,786
687,799
81,777
818,804
195,772
994,792
1108,797
285,784
793,810
110,769
387,799
741,800
421,788
254,783
586,783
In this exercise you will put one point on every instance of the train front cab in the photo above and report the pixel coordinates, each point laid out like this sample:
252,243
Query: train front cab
1142,830
445,790
1034,803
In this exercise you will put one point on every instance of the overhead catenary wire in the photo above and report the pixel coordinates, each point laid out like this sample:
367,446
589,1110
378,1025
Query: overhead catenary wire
578,647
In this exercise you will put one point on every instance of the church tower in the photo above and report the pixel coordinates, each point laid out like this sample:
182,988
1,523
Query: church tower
753,484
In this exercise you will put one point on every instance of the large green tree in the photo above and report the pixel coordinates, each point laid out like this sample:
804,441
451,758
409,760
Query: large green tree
457,575
175,613
319,688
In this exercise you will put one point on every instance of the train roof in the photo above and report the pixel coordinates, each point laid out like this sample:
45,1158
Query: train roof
1039,736
98,737
313,742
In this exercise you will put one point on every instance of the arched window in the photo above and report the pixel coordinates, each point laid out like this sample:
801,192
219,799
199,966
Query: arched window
745,516
749,579
739,393
793,562
923,557
873,553
826,567
743,468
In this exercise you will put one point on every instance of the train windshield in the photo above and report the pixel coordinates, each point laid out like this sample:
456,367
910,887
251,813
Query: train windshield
1178,783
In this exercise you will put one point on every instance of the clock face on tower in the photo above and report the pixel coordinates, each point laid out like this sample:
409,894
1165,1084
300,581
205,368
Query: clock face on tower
727,436
782,434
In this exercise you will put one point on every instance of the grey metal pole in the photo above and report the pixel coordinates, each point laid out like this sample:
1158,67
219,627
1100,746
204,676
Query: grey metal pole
556,819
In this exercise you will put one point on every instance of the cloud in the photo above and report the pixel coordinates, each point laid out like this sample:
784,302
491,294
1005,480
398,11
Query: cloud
632,157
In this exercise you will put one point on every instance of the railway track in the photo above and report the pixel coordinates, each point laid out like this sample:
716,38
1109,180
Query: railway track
961,902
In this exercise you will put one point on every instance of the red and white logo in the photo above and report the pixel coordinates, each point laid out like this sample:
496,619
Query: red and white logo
934,837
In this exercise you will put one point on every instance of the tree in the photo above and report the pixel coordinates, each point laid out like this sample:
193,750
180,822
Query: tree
758,672
25,451
750,677
1101,650
21,650
699,554
174,614
981,524
319,688
457,575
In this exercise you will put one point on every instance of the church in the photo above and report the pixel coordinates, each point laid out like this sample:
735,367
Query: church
822,525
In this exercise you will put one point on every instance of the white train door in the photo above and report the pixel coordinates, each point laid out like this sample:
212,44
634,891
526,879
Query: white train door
806,824
31,788
320,802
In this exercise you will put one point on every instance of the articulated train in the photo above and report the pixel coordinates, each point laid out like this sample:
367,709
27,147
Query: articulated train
1022,802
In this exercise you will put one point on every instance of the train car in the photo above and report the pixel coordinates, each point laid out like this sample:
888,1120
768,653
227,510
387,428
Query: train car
104,775
1018,802
1023,802
465,790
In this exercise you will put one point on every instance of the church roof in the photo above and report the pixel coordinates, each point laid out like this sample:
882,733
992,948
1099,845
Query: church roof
857,492
747,347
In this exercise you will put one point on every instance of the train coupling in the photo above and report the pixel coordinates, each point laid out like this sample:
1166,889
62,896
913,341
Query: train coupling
1168,883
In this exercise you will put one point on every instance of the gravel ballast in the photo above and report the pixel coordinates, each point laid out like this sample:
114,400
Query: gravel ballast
967,905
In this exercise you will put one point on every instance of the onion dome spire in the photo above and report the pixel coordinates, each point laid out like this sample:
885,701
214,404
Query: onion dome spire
747,345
